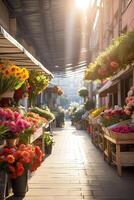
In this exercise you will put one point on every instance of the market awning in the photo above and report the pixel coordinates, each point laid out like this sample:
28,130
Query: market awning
13,51
109,87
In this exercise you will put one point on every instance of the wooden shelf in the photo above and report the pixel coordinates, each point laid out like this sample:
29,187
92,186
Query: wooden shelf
126,158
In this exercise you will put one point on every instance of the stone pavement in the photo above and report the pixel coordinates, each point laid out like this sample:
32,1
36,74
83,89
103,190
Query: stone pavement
76,170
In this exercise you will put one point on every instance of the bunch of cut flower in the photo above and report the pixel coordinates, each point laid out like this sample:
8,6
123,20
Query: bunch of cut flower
16,160
11,77
97,111
35,119
14,123
123,129
112,116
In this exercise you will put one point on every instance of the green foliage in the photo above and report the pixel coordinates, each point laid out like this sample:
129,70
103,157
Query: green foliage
89,104
43,113
8,83
119,54
48,140
83,92
38,82
3,131
24,137
77,116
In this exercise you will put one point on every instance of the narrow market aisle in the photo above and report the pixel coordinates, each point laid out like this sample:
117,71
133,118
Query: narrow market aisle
76,170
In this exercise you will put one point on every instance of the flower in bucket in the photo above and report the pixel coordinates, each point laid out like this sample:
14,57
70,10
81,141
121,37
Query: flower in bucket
11,77
14,123
22,92
16,160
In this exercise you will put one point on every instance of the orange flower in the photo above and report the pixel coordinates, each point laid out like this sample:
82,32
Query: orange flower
6,72
22,147
10,158
25,154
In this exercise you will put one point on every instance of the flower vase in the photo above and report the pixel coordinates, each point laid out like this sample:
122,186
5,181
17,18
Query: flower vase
11,142
20,185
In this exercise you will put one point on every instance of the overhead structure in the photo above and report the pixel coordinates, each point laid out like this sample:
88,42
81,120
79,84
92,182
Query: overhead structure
55,29
15,53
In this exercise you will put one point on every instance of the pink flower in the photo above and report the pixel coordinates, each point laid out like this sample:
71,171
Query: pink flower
17,115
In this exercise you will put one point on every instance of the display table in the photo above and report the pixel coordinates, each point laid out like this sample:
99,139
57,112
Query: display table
120,158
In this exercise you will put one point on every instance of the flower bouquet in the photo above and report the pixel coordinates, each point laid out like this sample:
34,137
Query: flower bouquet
37,83
11,77
14,161
97,111
112,116
35,120
14,123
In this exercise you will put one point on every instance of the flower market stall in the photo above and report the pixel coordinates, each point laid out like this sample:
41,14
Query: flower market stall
112,126
21,75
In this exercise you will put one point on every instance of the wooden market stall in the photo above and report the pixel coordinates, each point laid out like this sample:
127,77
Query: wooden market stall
13,52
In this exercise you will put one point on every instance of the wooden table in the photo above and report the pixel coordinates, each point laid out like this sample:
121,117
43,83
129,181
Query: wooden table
121,158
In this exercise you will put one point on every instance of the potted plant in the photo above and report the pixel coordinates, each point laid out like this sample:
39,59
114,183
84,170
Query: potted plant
48,140
83,92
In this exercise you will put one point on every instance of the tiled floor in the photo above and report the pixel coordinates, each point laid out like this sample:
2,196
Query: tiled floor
76,170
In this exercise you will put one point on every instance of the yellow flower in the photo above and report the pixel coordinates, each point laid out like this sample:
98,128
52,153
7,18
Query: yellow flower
12,69
17,74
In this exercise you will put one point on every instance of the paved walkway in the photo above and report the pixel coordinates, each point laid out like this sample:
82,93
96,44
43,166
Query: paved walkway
76,170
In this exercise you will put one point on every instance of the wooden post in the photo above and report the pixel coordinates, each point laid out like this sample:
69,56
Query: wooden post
118,159
119,93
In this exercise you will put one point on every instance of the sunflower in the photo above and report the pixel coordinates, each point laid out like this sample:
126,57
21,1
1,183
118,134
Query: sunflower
12,69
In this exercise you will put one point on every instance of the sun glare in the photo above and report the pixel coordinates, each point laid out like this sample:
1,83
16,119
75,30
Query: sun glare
82,4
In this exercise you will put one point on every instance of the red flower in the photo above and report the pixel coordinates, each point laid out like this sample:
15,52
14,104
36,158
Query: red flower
19,169
10,158
16,160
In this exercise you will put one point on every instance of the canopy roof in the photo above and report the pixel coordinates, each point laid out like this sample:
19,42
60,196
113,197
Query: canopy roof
111,85
55,30
13,51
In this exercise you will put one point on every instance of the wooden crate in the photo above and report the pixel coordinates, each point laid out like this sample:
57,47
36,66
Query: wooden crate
118,136
126,158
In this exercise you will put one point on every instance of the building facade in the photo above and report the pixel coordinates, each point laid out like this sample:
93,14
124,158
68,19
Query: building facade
111,19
